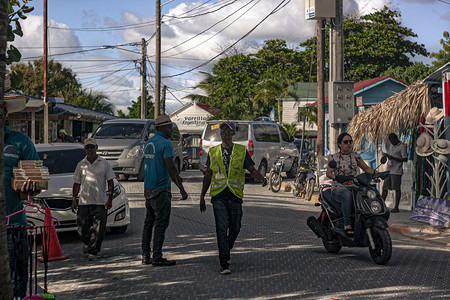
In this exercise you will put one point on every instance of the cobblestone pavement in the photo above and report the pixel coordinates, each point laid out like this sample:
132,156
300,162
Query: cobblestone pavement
276,256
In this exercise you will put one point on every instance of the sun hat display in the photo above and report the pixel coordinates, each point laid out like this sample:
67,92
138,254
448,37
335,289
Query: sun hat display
434,115
442,158
162,121
441,146
90,141
423,145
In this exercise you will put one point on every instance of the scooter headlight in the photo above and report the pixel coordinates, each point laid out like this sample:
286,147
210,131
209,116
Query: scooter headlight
376,207
371,194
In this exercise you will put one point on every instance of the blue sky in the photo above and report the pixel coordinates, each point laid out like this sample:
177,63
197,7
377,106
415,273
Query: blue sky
83,25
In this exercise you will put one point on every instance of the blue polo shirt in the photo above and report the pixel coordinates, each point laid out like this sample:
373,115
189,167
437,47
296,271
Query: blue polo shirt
18,146
156,150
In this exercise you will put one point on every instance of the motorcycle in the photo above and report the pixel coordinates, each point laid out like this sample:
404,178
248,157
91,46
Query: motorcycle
369,219
275,174
305,180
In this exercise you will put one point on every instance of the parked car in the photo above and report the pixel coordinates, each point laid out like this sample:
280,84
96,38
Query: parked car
264,141
61,159
122,141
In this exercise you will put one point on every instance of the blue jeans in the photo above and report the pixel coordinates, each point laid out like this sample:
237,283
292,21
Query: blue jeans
228,216
157,216
18,259
344,196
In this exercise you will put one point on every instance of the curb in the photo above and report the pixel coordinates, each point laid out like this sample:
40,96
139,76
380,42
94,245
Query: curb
405,231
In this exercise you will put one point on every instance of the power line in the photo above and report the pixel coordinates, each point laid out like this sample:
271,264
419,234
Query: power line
232,45
206,13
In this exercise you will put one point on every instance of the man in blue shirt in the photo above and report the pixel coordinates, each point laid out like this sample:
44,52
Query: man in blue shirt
159,170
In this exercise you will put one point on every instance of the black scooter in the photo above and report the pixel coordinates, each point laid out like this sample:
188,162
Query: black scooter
369,217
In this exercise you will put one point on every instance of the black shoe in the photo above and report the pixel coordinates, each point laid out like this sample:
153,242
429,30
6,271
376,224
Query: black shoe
146,261
163,262
395,210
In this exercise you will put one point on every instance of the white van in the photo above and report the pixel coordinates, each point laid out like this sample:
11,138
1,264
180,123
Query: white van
121,142
264,141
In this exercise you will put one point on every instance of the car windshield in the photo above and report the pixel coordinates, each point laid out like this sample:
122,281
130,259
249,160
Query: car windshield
212,132
62,161
119,131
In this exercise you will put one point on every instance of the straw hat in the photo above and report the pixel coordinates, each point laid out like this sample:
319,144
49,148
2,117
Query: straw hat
434,115
441,146
423,145
442,158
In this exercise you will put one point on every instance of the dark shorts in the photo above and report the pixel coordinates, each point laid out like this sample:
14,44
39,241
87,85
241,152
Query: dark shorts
393,183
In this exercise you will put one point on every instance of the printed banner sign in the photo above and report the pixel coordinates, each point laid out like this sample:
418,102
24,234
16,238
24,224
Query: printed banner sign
433,211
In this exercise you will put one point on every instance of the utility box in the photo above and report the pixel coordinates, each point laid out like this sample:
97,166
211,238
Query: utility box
320,9
341,102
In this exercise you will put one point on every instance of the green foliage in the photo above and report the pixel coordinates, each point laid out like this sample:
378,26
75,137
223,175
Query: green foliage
310,113
291,129
134,111
93,100
442,56
410,74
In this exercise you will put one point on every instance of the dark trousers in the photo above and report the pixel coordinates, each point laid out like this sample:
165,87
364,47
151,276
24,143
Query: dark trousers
228,216
18,259
157,218
91,221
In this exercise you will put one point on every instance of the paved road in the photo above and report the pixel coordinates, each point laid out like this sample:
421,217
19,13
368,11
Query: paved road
276,256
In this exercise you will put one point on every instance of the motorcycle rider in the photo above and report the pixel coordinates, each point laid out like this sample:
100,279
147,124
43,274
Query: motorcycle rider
347,164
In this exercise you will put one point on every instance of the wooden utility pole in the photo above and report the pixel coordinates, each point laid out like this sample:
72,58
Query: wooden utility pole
143,78
163,100
320,87
158,58
45,75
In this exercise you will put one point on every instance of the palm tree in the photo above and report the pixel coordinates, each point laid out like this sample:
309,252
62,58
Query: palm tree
204,85
5,283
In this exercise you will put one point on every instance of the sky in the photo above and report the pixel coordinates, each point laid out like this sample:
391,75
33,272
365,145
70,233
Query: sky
99,40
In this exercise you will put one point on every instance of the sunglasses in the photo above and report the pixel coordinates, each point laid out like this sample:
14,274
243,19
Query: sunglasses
89,147
348,142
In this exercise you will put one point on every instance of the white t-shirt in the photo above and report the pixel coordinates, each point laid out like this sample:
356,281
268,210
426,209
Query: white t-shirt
93,180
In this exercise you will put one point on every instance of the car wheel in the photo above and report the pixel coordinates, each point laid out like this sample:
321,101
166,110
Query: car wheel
119,230
293,171
262,168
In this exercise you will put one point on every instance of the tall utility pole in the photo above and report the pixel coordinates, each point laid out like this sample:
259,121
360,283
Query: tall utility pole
320,87
158,58
45,75
163,100
336,63
143,73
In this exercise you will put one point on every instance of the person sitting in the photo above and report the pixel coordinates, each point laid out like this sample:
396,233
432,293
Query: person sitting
347,163
63,137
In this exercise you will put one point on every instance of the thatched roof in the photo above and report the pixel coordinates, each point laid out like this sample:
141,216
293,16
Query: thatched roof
398,112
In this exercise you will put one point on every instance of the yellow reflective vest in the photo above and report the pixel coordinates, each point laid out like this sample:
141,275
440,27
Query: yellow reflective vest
235,179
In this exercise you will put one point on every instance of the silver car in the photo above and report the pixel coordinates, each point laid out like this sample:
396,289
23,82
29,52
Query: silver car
264,141
61,159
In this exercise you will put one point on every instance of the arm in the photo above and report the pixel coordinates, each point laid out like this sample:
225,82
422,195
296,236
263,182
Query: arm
257,175
402,159
75,191
330,173
365,167
175,177
108,203
205,186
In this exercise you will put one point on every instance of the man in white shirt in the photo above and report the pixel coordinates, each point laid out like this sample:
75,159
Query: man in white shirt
90,178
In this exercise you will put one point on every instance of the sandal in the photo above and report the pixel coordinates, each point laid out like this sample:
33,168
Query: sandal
349,231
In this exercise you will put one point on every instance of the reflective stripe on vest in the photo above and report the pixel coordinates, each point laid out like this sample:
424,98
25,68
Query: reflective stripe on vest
235,179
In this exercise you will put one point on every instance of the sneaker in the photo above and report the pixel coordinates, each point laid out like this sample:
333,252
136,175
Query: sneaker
85,248
146,260
225,271
395,210
92,257
163,262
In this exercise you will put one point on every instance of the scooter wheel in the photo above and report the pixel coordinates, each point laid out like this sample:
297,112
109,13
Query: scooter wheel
332,246
383,246
275,182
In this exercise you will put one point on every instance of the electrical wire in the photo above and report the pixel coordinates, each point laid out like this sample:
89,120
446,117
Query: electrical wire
232,45
203,14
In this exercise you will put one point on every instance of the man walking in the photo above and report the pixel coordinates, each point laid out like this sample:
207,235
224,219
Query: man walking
225,173
90,179
159,170
397,156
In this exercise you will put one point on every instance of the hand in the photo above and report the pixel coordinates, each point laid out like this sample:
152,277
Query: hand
264,181
184,195
202,204
29,187
74,206
108,204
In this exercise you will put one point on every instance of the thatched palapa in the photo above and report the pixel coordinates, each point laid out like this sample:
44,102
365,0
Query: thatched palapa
397,113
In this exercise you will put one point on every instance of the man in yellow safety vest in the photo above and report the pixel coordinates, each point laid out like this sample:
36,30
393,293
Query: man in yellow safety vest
225,173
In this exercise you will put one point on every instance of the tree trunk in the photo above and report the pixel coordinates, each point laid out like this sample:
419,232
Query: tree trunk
5,281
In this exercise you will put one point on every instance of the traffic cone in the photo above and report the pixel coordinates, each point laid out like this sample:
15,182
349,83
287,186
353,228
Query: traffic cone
50,240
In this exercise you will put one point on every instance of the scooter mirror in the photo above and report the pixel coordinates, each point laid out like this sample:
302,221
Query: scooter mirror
332,164
383,160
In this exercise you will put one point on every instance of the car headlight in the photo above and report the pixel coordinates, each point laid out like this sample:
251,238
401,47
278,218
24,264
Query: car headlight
116,192
376,207
371,194
134,152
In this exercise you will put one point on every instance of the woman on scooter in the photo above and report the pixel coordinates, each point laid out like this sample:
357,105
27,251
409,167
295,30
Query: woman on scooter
347,163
